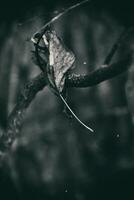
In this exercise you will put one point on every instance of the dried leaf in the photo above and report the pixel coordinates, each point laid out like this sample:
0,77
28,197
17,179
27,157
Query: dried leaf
61,60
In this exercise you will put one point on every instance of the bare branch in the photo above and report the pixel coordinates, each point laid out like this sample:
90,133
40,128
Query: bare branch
16,117
38,83
114,48
104,73
117,44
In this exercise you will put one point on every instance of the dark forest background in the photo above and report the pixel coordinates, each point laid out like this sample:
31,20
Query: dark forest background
53,157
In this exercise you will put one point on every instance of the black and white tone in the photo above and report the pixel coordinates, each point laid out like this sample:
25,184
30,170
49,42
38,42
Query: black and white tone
67,100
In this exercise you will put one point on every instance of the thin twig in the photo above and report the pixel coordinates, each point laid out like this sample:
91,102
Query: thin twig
43,29
116,46
39,34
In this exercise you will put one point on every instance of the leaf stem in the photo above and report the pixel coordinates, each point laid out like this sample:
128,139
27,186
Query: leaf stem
90,129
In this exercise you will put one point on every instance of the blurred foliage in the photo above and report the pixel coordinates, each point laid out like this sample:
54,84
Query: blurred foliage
55,157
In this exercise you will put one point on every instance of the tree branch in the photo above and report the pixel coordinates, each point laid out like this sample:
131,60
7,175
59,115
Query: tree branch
115,46
15,119
97,76
38,83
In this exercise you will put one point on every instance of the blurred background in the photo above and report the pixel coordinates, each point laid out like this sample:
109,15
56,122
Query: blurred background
54,157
